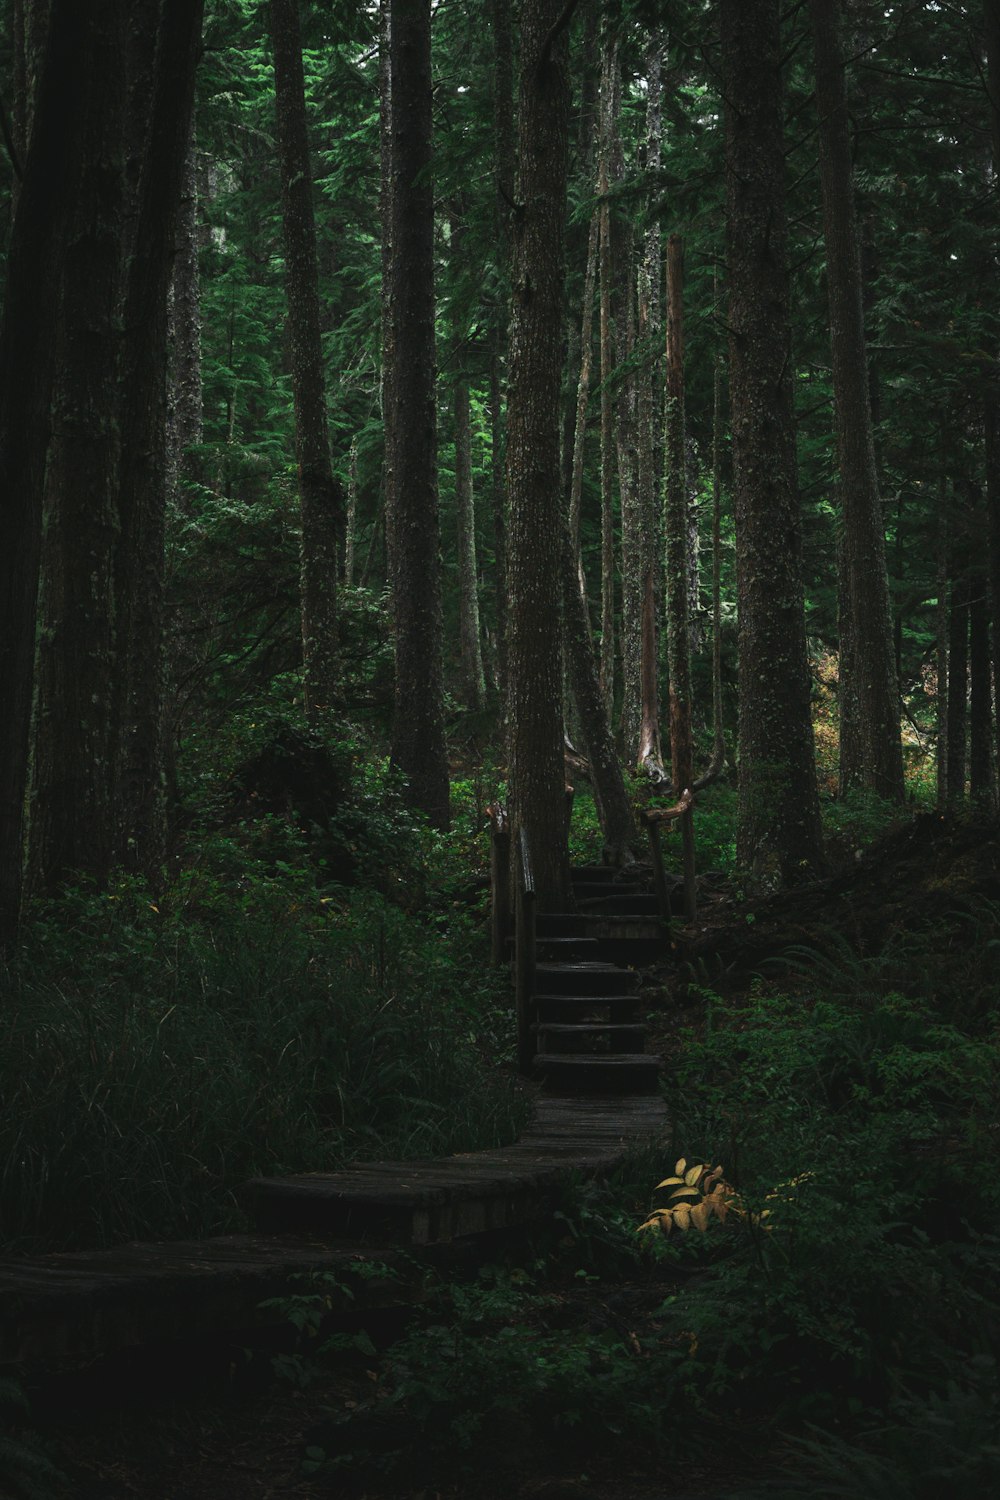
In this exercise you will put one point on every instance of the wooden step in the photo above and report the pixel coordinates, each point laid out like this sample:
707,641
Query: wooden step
632,904
563,949
584,979
598,1037
593,1073
561,924
575,1007
592,890
426,1202
581,874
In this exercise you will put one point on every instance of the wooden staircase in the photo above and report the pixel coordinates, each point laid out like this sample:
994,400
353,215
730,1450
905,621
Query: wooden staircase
584,1012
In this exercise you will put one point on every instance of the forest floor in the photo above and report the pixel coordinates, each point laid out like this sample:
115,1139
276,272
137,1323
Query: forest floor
253,1445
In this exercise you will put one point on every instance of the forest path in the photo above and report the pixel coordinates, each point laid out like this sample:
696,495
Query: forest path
602,1101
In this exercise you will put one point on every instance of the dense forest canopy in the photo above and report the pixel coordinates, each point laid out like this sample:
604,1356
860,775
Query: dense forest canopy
296,408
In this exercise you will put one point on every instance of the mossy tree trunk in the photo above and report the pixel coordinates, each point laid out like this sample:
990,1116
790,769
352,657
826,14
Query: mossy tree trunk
165,123
778,828
870,748
321,502
536,537
28,337
413,526
73,792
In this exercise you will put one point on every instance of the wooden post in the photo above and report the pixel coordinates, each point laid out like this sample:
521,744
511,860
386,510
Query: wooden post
690,882
524,955
683,809
659,874
501,916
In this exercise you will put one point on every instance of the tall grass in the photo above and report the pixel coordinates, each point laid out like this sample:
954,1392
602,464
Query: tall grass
153,1056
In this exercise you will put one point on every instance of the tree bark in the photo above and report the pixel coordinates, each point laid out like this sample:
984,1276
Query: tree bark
418,739
185,413
958,689
72,782
648,562
320,499
138,696
28,335
870,748
778,828
609,106
980,693
675,527
535,559
470,646
503,147
991,10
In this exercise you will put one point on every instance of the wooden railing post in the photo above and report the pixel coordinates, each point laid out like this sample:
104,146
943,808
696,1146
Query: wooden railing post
682,809
524,954
501,914
659,874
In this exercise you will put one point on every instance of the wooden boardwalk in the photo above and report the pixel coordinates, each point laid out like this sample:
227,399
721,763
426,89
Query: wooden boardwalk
70,1309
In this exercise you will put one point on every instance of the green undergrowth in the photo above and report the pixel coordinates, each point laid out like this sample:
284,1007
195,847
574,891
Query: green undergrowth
839,1324
156,1053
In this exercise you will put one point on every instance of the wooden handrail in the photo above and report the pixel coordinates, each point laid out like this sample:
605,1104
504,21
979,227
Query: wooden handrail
654,818
501,911
524,953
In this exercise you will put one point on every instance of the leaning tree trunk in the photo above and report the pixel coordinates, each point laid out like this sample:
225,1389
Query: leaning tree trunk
778,828
320,498
28,336
418,739
535,557
870,749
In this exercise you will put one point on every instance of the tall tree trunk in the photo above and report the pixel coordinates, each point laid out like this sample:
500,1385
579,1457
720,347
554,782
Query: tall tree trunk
185,331
614,810
28,335
418,739
991,400
72,787
991,424
503,148
609,106
675,530
980,693
138,696
320,498
941,630
778,828
648,563
386,396
473,678
613,806
718,722
958,688
870,749
535,560
583,395
351,520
